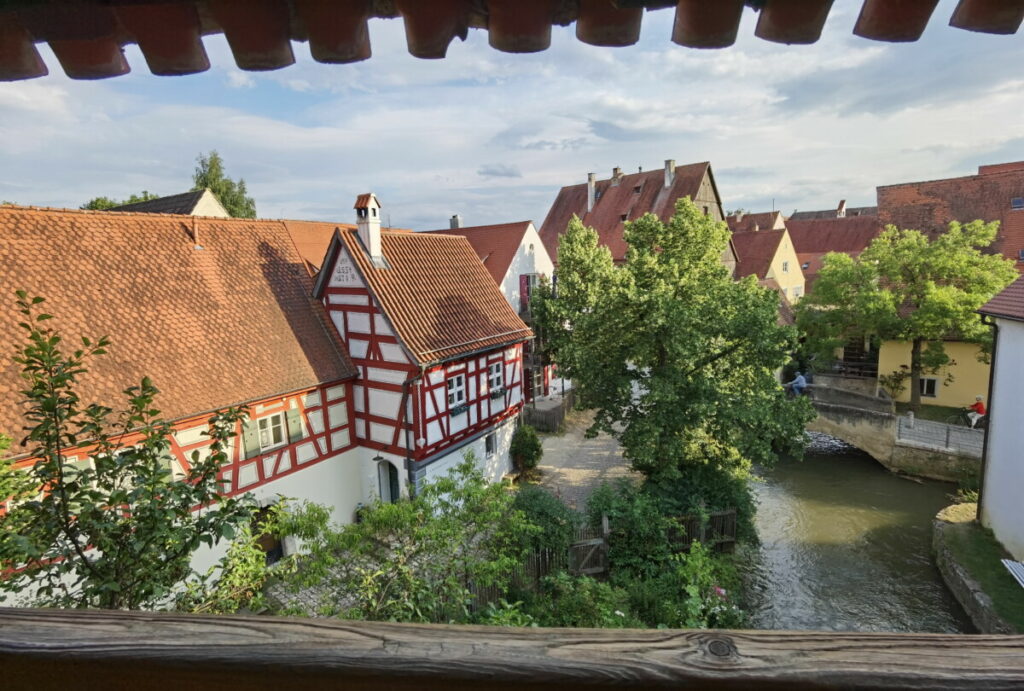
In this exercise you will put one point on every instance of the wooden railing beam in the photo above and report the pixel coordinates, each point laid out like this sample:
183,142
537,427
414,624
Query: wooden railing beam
61,649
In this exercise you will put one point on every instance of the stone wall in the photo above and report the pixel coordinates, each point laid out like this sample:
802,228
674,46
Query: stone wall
965,589
934,465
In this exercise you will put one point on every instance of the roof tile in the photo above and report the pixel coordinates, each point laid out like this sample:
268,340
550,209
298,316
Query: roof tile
496,245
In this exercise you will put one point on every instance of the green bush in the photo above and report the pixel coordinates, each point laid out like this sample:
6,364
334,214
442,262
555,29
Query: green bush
526,448
557,522
581,601
706,488
639,545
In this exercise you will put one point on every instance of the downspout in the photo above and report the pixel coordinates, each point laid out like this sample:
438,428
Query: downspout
410,480
988,321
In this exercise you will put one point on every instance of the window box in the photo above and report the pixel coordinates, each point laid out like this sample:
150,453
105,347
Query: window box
498,393
458,410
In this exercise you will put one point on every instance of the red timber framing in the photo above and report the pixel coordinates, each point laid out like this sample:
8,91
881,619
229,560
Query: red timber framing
301,429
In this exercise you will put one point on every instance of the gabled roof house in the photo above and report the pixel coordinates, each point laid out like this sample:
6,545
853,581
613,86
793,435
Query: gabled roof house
194,203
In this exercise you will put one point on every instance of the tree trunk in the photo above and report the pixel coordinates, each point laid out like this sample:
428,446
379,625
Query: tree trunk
915,375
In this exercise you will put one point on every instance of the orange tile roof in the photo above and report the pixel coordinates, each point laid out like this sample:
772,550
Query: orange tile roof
496,245
765,220
819,235
437,294
1009,303
229,323
312,238
622,200
755,251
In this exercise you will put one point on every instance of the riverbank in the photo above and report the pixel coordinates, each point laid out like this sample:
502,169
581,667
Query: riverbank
968,559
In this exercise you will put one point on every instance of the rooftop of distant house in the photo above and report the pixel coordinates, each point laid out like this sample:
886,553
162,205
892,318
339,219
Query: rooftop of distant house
1009,304
496,245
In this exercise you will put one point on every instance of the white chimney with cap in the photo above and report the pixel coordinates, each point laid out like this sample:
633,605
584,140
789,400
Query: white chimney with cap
841,209
368,226
670,172
455,222
591,191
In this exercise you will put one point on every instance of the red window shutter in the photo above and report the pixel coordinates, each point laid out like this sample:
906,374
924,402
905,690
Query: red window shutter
524,290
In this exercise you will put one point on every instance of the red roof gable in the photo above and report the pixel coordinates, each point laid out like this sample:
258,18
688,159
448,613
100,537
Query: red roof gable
766,220
929,206
496,245
1009,303
230,322
436,293
755,251
633,196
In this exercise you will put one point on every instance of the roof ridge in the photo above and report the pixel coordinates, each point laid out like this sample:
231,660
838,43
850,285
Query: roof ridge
988,176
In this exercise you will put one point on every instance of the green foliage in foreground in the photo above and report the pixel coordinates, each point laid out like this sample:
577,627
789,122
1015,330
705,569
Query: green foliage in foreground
556,523
676,358
115,530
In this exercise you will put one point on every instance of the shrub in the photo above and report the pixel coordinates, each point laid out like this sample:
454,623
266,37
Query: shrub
639,545
526,448
581,601
557,522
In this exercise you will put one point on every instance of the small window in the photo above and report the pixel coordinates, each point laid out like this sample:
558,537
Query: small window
928,385
495,376
706,211
1020,255
805,265
271,429
636,190
1017,203
623,217
785,267
490,444
456,390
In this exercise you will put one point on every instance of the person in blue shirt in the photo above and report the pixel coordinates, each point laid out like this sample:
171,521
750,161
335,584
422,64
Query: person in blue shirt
797,386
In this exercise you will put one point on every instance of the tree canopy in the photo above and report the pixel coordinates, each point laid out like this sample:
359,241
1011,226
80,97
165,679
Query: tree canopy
104,203
907,287
233,196
677,359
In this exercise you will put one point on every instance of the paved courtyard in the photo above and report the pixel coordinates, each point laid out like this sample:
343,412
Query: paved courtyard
573,466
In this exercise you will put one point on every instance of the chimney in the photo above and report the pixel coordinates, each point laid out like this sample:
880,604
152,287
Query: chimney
368,224
455,222
591,191
841,210
616,175
739,214
670,172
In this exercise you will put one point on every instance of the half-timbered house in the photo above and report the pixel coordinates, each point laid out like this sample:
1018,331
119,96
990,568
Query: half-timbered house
438,348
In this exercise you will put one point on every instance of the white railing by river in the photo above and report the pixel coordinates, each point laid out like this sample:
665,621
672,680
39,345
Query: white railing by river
956,439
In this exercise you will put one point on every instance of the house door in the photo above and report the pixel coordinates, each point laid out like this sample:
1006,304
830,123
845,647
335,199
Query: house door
390,491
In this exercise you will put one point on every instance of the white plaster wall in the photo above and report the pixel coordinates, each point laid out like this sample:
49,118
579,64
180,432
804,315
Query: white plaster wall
494,467
1003,488
526,261
209,206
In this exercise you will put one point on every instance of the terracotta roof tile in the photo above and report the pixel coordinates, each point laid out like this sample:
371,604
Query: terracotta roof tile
755,251
633,196
848,235
766,220
217,326
437,294
1009,303
312,238
496,245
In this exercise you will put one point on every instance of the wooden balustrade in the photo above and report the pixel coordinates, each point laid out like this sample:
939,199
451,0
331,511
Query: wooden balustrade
62,649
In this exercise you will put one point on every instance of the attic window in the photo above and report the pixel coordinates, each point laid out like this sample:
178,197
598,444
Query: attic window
1017,203
805,265
623,217
636,190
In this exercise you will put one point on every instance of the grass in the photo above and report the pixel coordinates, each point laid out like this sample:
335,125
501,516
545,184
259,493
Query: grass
935,413
977,549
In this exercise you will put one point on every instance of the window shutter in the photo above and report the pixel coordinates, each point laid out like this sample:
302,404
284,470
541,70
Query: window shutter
294,418
524,291
250,439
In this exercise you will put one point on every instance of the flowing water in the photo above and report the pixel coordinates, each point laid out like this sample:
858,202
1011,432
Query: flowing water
845,547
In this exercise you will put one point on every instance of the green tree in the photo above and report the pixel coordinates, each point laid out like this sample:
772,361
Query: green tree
905,287
526,448
114,530
104,203
676,358
414,560
233,196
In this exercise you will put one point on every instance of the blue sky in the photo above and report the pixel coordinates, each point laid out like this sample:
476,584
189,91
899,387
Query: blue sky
492,136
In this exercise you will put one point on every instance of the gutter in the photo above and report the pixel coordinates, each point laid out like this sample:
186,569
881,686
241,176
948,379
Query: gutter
989,321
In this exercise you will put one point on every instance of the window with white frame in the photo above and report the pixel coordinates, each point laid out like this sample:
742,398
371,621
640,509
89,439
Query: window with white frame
456,390
928,386
490,444
785,267
495,376
271,431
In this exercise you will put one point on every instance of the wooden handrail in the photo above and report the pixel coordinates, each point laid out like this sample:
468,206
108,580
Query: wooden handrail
62,649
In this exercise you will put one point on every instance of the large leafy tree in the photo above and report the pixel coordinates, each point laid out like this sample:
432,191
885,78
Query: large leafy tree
675,357
114,529
232,195
906,287
104,203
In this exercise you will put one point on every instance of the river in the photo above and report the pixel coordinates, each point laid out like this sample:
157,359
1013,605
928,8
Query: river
845,547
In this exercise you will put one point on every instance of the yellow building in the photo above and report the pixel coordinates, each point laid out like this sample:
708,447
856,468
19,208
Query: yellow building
970,377
764,249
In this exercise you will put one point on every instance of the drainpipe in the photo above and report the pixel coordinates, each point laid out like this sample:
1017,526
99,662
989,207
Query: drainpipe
988,321
408,448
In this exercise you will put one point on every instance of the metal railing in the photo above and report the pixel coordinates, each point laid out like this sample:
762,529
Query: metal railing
956,439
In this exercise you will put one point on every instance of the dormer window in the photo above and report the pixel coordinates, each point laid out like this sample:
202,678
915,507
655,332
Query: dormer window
1017,203
636,190
623,217
805,266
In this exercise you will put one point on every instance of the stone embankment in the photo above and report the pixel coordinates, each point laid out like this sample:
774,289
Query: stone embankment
965,589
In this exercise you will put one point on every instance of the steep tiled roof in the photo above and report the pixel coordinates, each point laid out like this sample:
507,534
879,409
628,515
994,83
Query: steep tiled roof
755,251
1009,303
810,264
183,203
495,245
312,238
88,37
850,235
217,326
929,206
633,196
435,291
765,220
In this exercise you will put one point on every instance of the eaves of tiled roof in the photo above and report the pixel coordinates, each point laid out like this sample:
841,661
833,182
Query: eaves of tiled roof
495,245
88,36
1008,304
216,311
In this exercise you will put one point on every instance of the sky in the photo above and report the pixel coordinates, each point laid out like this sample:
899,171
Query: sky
493,136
